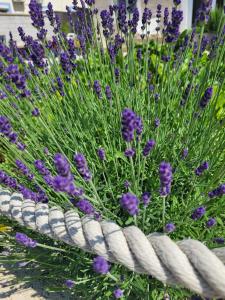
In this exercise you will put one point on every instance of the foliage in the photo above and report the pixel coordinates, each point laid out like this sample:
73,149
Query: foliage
56,98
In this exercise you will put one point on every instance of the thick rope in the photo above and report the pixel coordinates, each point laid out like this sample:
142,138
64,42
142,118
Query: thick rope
187,263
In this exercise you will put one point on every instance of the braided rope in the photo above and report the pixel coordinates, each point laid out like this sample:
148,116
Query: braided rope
187,263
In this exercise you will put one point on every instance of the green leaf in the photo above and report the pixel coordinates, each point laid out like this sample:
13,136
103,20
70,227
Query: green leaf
129,221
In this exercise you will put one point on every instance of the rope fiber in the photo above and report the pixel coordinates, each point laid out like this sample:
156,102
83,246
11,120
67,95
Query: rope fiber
188,263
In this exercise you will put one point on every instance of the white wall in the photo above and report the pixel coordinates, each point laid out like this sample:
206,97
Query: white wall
187,7
22,6
13,21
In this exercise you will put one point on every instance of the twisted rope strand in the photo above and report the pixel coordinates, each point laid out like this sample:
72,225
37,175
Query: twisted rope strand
187,263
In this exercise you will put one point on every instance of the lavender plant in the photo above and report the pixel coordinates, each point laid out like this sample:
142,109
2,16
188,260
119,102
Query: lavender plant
122,128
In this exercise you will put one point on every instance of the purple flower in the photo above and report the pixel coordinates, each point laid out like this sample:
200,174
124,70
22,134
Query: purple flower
129,202
36,112
170,227
139,54
198,213
7,180
50,14
200,169
97,89
13,137
211,222
69,283
82,42
2,95
126,184
118,293
146,198
65,62
172,29
129,152
62,165
165,58
117,74
71,49
90,2
61,183
60,86
46,151
166,176
82,166
41,35
139,125
5,126
101,154
37,54
177,2
119,40
21,33
130,123
36,14
157,122
206,97
49,180
219,240
203,12
146,16
107,23
133,23
100,265
148,147
185,153
24,169
122,17
151,88
108,92
166,16
40,167
218,192
73,190
21,146
97,216
23,239
85,206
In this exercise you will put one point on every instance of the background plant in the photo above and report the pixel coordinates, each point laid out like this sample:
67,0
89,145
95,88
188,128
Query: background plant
124,108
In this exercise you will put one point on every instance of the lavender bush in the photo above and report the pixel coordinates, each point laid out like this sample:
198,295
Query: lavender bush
122,128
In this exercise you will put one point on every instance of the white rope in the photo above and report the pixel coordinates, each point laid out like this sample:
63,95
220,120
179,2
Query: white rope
187,263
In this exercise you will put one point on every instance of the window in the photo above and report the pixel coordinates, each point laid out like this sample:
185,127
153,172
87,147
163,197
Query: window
5,7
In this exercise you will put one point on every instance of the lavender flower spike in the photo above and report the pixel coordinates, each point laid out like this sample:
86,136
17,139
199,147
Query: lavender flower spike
129,202
69,283
62,165
170,227
100,265
146,198
82,166
218,192
23,239
206,97
148,147
198,213
101,154
85,206
118,293
200,169
166,176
